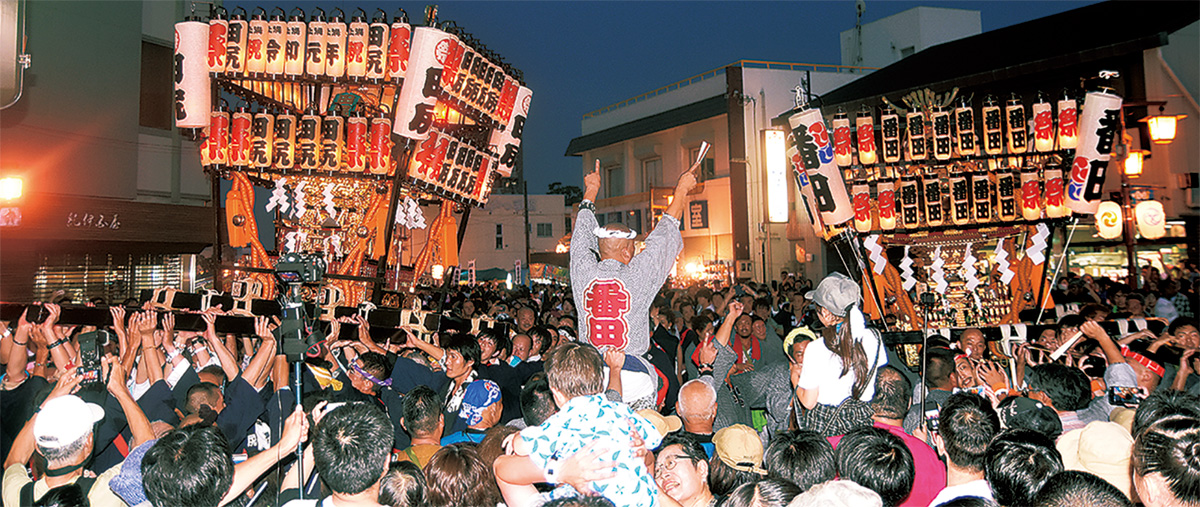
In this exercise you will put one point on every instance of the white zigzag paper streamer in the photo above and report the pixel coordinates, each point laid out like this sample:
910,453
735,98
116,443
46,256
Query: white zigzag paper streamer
971,274
939,274
875,253
1037,248
328,199
278,197
906,271
1006,274
294,240
299,204
333,244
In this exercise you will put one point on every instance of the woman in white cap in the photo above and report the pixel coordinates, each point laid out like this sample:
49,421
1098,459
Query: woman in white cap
837,379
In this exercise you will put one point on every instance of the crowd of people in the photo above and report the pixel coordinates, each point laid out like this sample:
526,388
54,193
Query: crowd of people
620,390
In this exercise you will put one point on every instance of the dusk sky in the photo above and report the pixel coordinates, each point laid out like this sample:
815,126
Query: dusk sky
581,56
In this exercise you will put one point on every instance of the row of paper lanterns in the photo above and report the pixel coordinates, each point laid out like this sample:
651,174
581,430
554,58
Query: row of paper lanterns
1149,215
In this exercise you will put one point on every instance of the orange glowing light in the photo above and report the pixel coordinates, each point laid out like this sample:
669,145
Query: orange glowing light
11,188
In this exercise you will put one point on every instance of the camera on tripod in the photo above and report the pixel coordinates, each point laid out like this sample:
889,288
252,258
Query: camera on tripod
297,268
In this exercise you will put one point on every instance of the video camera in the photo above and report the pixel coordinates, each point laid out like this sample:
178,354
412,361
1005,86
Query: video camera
297,268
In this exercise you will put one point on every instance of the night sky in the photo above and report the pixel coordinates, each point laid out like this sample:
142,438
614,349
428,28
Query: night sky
581,56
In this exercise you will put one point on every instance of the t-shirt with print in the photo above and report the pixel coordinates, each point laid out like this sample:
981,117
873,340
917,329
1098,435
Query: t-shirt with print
585,419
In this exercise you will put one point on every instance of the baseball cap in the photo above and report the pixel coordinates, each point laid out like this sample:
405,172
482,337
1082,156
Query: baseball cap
1101,448
835,293
739,447
64,420
480,394
664,424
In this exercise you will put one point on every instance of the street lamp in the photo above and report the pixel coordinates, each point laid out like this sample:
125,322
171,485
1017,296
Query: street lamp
1162,127
1134,162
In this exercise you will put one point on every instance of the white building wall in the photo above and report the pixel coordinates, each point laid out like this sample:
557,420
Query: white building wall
888,40
507,211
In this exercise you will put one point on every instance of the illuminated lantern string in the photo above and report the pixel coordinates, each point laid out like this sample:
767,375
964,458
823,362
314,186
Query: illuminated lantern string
1109,220
960,198
910,202
1018,131
356,46
815,147
285,141
843,151
889,130
256,42
1068,130
885,203
941,134
295,44
1031,194
335,46
377,47
379,152
332,127
1098,126
239,137
356,143
275,44
218,33
1006,193
861,193
235,46
981,196
193,85
964,122
1151,221
1056,195
418,96
215,150
314,50
865,124
932,186
1043,125
993,132
398,49
807,199
917,142
262,138
308,141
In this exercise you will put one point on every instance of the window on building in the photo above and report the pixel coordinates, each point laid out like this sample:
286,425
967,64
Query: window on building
635,220
567,225
157,86
615,217
601,219
707,169
499,237
652,172
906,52
615,176
545,230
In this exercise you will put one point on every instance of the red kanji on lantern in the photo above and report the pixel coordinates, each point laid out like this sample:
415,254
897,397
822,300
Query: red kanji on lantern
607,302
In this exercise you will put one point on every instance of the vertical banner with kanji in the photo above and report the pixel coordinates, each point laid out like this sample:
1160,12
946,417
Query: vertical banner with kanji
815,148
471,272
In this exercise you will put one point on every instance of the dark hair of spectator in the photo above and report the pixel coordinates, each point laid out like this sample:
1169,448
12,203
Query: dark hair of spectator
201,394
971,501
188,466
67,495
1135,296
1180,322
1044,420
967,422
422,406
879,461
699,322
465,345
546,336
1171,448
1079,489
537,403
216,371
723,479
1068,388
1093,311
575,369
492,445
688,444
762,303
350,447
765,493
939,365
1073,320
376,364
1019,462
503,343
1163,404
893,394
403,485
456,477
802,457
580,501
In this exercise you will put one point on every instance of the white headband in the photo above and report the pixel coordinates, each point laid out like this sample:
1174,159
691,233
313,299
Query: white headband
603,233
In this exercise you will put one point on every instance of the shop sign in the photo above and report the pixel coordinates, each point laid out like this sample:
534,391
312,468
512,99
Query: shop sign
698,215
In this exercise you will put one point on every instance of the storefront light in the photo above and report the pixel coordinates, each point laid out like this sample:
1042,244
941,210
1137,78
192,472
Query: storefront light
438,271
777,184
1134,163
11,188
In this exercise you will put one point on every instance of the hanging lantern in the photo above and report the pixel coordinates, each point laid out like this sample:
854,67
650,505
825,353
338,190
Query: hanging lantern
889,129
332,127
1162,127
964,121
335,45
1018,131
861,193
813,143
285,141
417,101
256,42
379,153
1098,131
235,45
865,124
275,43
910,202
216,145
314,52
398,47
239,137
1043,125
993,133
377,47
981,196
843,152
932,186
1151,221
1056,203
1006,194
1068,129
308,141
960,197
1134,161
356,46
941,134
886,203
515,101
296,44
218,33
193,85
356,143
1031,194
262,130
917,149
1109,220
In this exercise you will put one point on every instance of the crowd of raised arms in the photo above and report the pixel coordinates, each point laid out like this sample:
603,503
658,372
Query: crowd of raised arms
759,395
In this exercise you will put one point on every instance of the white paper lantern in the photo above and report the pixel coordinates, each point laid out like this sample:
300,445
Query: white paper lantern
1151,221
1108,220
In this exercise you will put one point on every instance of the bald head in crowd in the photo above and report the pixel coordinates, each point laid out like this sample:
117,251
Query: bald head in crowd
697,406
620,249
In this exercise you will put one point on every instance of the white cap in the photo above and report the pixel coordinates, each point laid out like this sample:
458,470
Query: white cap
64,420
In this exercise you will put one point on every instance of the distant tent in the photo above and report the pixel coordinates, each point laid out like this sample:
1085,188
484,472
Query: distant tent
484,275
